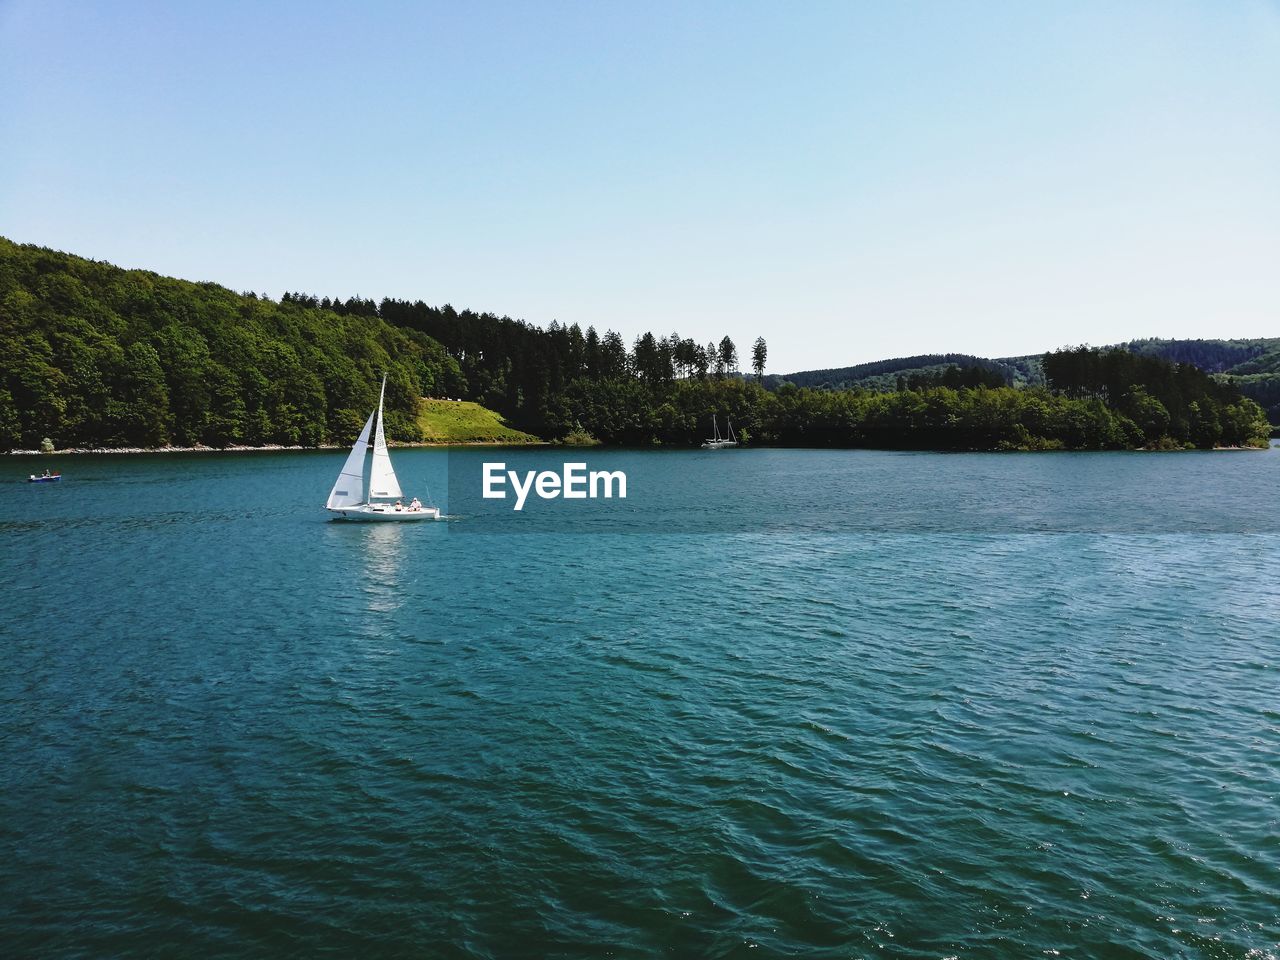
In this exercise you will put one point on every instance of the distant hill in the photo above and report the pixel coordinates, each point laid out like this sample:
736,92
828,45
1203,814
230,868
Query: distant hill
1252,365
884,374
1231,357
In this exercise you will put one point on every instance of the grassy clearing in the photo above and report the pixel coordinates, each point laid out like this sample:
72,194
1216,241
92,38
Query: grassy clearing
461,421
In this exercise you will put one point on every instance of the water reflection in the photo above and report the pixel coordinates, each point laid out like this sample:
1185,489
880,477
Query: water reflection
384,549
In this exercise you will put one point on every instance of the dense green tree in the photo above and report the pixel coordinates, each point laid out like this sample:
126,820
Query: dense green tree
700,360
728,356
759,354
224,422
1148,414
184,357
10,425
36,385
144,398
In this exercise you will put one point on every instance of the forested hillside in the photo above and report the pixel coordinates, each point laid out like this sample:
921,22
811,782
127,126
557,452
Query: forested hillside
1162,399
1159,406
1253,366
1214,356
666,388
530,375
99,356
96,355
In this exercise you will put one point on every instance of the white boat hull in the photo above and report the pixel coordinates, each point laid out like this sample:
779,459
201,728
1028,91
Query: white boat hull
379,479
383,513
717,442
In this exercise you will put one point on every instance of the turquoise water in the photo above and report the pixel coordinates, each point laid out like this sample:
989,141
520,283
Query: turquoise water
848,704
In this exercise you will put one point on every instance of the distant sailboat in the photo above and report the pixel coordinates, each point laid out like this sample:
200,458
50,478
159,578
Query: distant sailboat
717,442
348,499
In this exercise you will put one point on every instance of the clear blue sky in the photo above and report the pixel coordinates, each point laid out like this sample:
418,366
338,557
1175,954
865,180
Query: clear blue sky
851,180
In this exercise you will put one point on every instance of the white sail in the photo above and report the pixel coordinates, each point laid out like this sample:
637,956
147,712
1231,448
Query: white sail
349,490
382,479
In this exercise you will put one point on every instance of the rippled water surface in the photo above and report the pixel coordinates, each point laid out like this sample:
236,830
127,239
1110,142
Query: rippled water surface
229,727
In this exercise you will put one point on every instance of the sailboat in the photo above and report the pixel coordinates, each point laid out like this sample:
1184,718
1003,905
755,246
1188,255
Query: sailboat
717,442
348,499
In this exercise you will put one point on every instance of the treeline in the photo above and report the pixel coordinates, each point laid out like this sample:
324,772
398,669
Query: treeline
96,355
1253,365
1264,389
528,374
664,390
1173,403
954,377
629,412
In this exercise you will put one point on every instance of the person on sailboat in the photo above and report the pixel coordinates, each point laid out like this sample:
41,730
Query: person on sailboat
415,504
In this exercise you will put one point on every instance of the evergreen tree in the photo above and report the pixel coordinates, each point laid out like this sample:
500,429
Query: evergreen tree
728,354
759,353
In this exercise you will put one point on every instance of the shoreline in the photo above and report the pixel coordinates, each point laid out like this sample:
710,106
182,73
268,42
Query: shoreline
433,444
267,448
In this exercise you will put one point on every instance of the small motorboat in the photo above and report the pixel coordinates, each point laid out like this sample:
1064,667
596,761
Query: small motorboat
45,477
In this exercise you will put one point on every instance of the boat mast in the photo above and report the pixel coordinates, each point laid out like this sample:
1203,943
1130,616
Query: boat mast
383,483
382,393
373,447
377,432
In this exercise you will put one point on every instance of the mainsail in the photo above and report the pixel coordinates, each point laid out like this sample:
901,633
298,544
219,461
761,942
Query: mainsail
349,490
382,479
